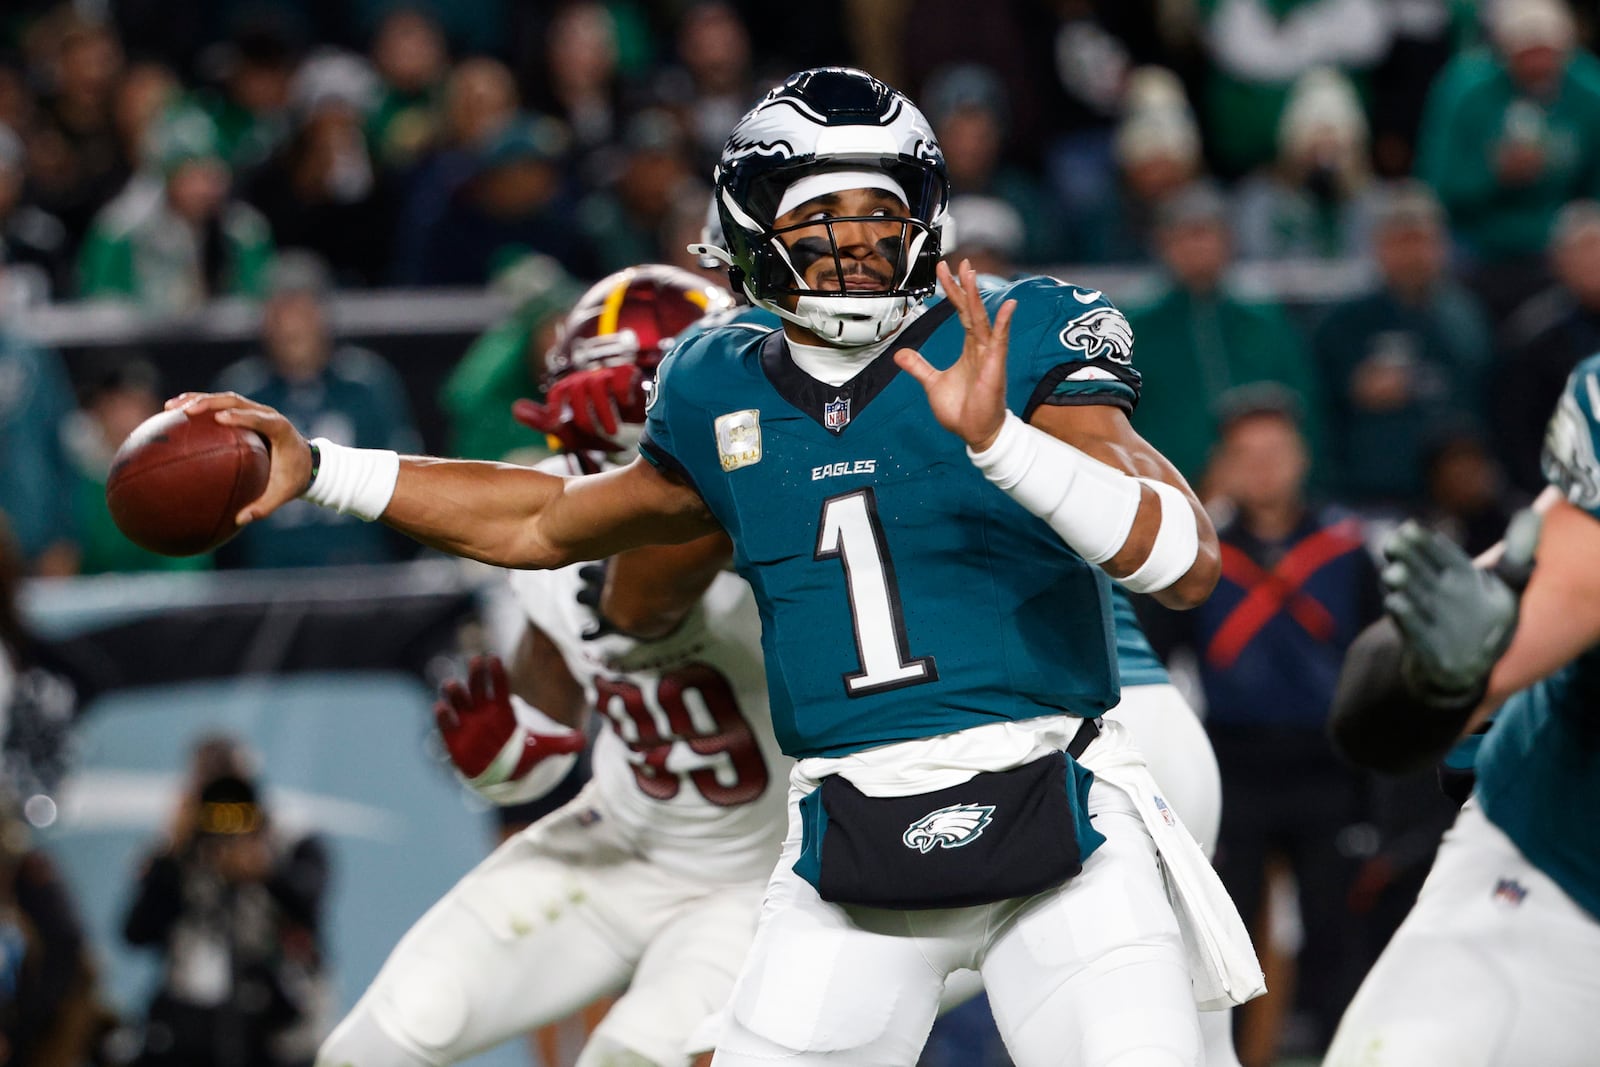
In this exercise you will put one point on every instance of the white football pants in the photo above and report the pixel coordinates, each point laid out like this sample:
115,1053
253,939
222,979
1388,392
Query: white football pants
1091,973
559,915
1494,967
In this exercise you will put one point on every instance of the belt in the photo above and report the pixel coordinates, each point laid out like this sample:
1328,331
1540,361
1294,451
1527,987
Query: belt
1088,730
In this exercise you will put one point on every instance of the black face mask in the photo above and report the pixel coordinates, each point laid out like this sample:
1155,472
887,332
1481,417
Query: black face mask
808,250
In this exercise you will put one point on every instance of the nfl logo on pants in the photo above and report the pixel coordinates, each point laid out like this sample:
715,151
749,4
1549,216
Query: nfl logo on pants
836,413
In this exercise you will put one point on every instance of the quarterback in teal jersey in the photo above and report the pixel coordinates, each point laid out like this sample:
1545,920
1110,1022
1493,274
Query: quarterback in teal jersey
929,504
1496,963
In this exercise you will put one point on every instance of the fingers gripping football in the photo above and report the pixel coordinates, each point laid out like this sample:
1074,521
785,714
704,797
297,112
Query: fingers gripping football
505,749
290,472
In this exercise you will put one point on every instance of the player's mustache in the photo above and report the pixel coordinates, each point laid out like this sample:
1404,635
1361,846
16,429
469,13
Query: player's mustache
809,250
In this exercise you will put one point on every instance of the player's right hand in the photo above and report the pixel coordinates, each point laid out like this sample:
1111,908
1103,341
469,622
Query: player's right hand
585,410
1457,618
504,748
290,472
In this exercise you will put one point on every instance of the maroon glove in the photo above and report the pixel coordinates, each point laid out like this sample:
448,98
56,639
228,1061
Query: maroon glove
503,747
585,410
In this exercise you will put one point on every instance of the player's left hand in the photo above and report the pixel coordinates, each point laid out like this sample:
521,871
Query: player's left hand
968,399
1457,618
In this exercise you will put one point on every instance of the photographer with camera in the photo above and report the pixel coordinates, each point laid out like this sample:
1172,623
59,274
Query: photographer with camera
235,908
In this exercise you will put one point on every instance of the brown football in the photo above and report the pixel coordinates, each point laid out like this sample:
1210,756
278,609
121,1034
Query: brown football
178,481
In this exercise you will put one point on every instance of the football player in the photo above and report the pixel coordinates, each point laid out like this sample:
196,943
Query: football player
1158,718
651,879
931,553
1495,965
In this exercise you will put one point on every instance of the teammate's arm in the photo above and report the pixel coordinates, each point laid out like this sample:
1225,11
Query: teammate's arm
1560,614
498,513
1084,470
648,592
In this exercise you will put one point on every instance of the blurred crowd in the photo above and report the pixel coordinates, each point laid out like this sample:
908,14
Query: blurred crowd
163,154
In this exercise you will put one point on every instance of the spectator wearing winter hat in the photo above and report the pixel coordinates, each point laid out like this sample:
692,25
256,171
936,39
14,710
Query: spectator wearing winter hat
1510,134
176,238
1316,200
1156,147
986,231
322,190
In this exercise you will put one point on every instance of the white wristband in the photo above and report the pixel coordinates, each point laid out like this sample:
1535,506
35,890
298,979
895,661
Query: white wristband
1090,504
1177,543
353,481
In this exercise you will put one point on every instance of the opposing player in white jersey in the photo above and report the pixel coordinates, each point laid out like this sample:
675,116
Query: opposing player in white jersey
1495,965
649,883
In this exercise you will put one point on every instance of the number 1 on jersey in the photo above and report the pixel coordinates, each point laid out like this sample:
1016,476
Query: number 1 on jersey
850,532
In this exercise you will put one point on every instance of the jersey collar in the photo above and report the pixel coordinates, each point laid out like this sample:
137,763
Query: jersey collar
833,407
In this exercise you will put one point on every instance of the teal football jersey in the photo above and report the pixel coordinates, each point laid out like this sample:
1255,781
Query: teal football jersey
1539,766
901,594
1136,660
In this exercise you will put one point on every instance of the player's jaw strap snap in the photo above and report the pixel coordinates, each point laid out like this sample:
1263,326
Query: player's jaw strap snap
997,836
1089,504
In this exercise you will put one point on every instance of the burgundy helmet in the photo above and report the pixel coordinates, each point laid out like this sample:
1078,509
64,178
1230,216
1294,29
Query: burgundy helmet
613,340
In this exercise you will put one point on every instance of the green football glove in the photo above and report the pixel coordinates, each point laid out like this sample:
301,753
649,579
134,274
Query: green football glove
1457,618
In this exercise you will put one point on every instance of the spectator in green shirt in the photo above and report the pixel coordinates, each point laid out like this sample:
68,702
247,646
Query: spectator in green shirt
1198,338
1317,199
173,239
1402,362
506,364
1512,132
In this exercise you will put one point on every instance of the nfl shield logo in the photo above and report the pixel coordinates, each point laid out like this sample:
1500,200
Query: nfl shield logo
836,413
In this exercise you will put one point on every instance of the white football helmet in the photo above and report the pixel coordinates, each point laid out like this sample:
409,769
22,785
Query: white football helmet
827,119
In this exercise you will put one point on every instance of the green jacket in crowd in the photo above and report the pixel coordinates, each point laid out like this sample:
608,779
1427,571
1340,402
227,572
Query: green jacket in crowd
1441,349
138,249
1191,349
502,367
1472,107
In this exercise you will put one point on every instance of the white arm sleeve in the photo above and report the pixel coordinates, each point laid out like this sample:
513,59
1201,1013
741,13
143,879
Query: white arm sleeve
1090,504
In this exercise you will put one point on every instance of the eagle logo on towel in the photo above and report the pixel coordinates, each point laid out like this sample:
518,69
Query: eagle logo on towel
1100,333
952,827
